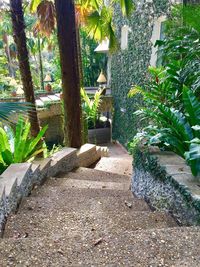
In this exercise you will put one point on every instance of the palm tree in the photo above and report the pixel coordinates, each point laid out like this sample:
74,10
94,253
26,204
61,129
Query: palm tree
97,20
23,58
67,39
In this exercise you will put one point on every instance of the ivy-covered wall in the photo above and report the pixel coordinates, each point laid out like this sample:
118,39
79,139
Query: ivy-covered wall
130,66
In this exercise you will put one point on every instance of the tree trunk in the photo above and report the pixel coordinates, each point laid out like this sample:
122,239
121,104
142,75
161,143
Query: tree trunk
8,56
67,39
41,65
23,58
84,122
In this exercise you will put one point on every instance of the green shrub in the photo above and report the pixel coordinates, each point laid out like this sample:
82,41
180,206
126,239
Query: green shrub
174,130
17,146
91,105
171,96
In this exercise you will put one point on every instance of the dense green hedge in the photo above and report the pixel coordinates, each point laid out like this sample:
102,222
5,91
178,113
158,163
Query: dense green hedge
130,66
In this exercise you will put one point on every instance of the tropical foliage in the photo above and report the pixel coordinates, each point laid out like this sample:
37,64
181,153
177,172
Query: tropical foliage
181,47
94,16
17,146
92,62
171,96
91,106
9,109
174,130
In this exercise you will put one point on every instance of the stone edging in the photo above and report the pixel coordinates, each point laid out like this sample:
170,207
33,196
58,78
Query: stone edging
165,181
19,179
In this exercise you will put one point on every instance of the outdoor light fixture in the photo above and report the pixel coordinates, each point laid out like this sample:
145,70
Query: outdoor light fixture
103,47
20,91
48,79
101,79
102,82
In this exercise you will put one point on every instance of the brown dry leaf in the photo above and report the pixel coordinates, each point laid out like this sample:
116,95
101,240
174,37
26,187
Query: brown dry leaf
46,18
82,13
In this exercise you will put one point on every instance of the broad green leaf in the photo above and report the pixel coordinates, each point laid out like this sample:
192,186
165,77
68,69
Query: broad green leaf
192,106
4,142
7,157
175,120
35,141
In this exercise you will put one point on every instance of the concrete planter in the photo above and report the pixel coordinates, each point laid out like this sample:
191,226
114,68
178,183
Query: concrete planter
52,117
99,136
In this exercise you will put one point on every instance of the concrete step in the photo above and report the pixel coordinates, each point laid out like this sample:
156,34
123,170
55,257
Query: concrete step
91,179
104,151
84,200
57,187
89,184
88,154
96,175
77,223
158,247
117,165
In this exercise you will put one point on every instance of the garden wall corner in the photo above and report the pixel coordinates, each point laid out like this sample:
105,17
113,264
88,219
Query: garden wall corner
165,181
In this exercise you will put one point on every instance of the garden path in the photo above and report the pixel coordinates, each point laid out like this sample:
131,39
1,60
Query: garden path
89,217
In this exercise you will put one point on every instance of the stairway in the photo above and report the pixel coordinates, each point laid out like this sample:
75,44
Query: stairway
89,217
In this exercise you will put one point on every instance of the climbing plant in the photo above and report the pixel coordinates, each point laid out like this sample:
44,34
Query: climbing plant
130,66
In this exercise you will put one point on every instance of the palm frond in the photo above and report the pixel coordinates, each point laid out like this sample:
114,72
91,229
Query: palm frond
12,108
127,7
46,18
34,4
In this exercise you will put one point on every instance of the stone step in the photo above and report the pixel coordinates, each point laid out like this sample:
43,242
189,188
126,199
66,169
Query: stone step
116,165
54,187
77,223
177,247
89,184
96,175
82,199
91,179
104,150
88,154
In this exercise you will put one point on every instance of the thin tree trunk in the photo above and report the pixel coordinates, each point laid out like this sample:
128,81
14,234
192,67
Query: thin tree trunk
41,65
7,51
67,39
79,56
84,124
24,66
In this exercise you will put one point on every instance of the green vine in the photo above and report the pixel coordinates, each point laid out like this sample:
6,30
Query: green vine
130,66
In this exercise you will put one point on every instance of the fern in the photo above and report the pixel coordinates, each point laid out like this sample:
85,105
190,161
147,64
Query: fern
25,147
91,106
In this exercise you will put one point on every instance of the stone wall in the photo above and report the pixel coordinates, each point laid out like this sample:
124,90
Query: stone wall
165,181
53,117
130,66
